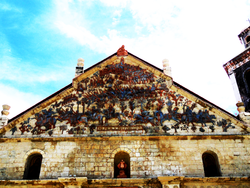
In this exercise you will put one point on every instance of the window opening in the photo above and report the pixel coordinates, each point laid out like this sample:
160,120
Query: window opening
33,167
247,78
248,39
211,165
122,165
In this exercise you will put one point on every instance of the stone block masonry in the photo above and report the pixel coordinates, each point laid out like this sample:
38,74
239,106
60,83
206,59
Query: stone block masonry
149,156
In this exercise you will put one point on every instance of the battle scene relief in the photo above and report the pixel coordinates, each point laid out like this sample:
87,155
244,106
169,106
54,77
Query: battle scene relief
122,99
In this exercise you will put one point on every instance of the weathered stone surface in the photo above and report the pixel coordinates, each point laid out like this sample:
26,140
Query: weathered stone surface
94,157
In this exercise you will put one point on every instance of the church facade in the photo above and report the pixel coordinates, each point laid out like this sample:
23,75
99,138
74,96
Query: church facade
125,123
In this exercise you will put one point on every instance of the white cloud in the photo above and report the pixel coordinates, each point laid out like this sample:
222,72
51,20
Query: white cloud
18,100
116,17
17,70
196,36
115,3
7,7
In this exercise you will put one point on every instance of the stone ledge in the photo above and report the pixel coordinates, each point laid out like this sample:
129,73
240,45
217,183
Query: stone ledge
73,180
124,181
26,182
78,182
217,179
122,138
170,179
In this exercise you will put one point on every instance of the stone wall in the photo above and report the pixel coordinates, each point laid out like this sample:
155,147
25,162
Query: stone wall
93,157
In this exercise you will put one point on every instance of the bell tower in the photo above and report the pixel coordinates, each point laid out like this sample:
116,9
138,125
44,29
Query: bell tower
238,70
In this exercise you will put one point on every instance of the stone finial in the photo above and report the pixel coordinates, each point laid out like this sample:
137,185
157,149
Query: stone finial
5,113
80,62
241,107
166,67
121,51
79,67
244,116
5,110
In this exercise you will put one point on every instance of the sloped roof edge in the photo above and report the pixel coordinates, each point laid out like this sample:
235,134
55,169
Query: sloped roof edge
205,100
54,94
37,104
149,64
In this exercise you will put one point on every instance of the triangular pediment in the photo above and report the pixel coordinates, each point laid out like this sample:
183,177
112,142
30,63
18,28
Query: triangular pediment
123,95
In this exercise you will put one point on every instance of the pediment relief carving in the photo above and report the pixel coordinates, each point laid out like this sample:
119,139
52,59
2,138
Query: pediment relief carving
123,99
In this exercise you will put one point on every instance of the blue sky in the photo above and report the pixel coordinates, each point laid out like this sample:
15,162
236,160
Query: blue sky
40,42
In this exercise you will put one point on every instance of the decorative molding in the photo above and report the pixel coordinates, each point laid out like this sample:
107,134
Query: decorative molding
236,62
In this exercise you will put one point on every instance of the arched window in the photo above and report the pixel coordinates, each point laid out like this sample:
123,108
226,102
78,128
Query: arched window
211,164
247,39
33,166
122,165
247,78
